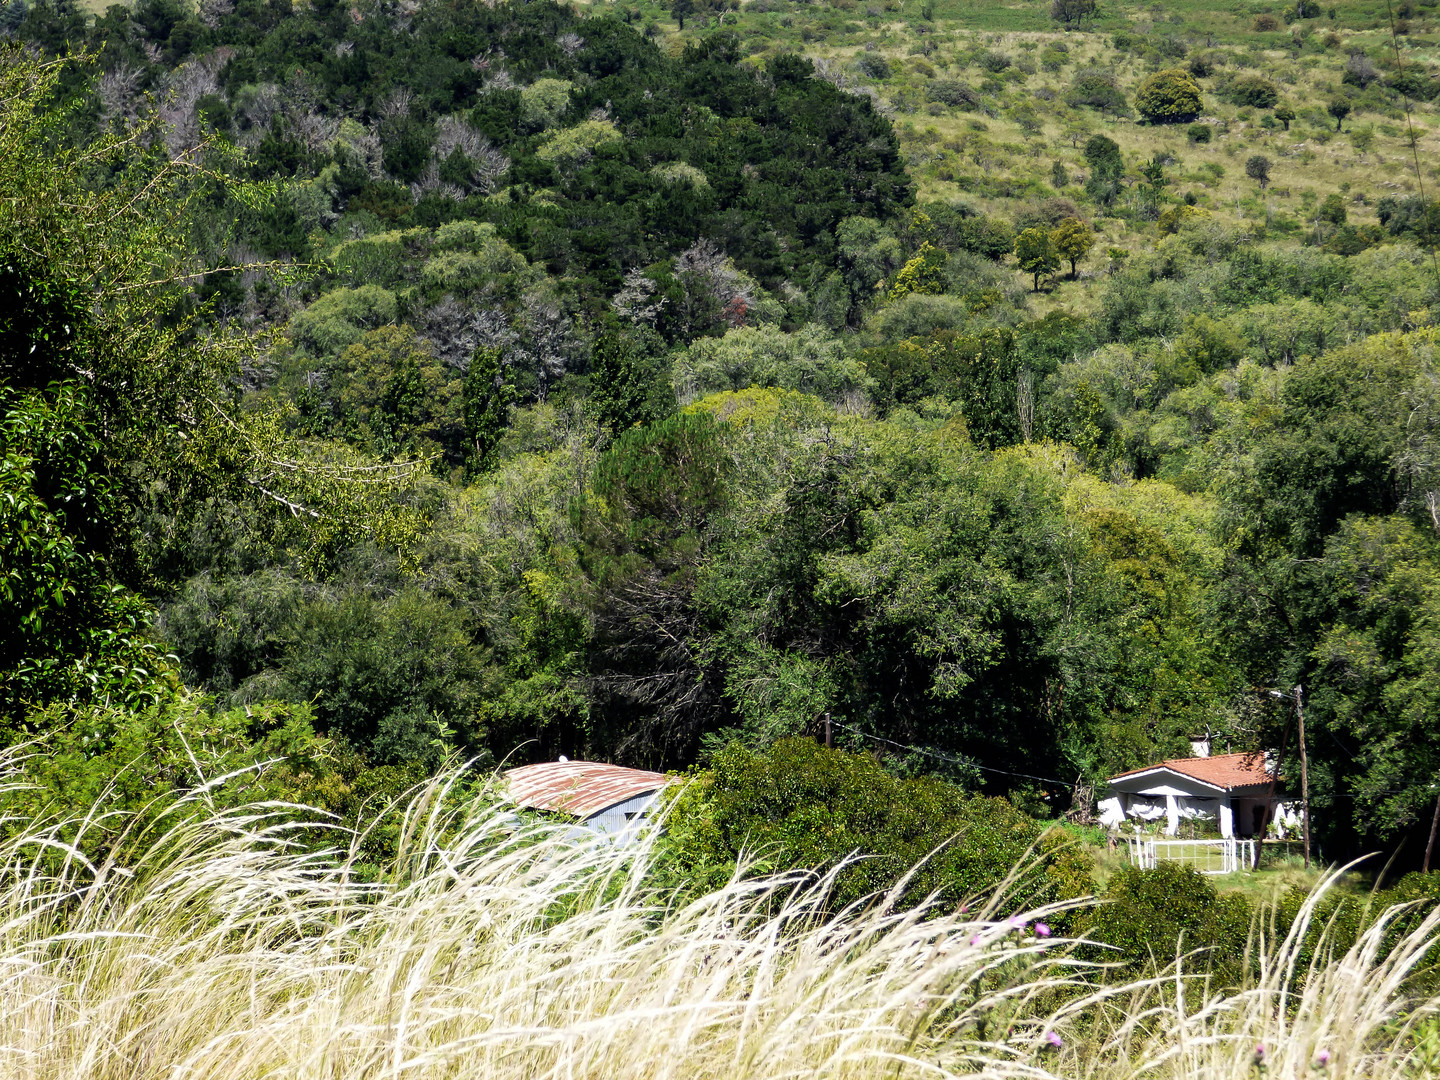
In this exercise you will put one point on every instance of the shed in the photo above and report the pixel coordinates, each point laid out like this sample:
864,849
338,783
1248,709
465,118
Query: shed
1232,789
605,798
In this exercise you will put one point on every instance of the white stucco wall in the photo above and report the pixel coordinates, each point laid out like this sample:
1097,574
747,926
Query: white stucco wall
1161,795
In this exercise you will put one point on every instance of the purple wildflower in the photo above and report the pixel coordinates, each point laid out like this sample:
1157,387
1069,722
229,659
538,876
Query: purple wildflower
1053,1038
1041,930
1323,1058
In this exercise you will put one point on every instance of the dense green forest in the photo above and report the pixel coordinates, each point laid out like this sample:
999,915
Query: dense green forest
386,381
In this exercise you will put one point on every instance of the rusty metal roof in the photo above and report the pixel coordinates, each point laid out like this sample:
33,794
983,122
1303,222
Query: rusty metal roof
581,788
1224,771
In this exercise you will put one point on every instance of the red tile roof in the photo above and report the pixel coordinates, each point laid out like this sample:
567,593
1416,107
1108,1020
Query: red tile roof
581,788
1223,770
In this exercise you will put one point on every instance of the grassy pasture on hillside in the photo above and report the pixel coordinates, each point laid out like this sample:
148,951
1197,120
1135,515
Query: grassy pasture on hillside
1006,149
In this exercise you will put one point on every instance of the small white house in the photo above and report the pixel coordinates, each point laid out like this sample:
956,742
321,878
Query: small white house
1231,789
607,799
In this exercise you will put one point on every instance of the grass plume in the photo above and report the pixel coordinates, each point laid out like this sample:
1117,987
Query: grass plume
214,945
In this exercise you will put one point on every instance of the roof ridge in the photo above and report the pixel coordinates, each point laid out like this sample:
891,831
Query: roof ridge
1245,768
580,788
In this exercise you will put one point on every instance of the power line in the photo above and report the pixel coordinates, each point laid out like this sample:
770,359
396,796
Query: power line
964,762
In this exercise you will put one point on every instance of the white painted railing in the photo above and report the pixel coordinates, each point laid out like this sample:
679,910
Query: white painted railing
1206,856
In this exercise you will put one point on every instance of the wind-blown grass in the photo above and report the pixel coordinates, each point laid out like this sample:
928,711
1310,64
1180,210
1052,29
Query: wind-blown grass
215,946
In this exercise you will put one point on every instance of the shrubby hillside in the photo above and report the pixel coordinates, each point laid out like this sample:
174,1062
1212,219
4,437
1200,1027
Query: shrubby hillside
386,382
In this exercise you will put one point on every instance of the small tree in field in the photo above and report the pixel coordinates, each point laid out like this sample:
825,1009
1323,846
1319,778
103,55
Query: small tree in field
1258,169
1171,96
1284,113
1035,251
1073,239
1102,154
1072,14
1339,109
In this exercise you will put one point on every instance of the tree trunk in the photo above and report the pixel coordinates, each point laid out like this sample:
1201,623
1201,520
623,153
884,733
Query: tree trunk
1304,769
1434,825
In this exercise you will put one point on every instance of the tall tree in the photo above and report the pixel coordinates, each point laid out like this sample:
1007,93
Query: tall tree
489,396
111,396
627,380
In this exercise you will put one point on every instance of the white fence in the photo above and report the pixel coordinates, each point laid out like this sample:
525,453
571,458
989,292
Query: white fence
1206,856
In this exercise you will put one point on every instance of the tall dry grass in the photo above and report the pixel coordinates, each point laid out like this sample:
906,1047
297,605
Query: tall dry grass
215,946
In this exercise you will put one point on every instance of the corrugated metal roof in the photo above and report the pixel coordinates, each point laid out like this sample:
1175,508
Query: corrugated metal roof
581,788
1224,771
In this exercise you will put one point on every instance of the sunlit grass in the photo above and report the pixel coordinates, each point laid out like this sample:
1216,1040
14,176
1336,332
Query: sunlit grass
215,947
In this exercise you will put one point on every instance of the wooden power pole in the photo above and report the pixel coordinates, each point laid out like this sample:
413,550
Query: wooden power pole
1270,792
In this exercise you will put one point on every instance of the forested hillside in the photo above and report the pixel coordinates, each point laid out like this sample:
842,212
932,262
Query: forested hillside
384,381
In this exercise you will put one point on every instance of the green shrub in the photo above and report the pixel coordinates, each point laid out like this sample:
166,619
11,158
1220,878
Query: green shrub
1347,916
544,102
113,761
798,804
1198,133
953,92
873,65
1098,89
340,318
1171,96
1253,90
812,361
1333,210
1202,65
1150,915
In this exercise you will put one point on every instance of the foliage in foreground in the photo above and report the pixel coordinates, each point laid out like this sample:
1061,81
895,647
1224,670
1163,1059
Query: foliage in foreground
800,805
209,946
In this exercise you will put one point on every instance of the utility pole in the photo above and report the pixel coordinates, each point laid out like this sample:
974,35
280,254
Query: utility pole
1434,825
1270,795
1304,768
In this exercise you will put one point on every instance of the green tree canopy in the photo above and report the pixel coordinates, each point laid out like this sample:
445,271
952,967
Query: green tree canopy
1171,96
1102,154
1073,240
1035,252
